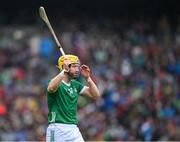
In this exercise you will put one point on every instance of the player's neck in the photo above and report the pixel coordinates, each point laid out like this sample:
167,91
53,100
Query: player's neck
67,78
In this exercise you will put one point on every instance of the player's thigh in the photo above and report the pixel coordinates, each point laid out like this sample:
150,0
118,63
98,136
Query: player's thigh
73,135
53,135
78,137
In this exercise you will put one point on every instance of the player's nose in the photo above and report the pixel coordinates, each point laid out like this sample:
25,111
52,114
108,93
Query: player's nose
77,69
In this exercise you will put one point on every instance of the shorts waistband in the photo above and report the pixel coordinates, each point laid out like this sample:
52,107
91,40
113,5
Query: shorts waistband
63,125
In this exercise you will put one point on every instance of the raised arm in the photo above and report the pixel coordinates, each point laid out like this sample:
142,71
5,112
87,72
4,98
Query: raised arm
54,83
91,90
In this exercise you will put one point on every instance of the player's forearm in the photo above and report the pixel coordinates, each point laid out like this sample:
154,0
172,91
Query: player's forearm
93,88
53,85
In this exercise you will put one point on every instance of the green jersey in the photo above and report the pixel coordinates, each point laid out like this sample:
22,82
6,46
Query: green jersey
62,104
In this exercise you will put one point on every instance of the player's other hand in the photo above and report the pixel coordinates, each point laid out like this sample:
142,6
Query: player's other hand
66,64
85,71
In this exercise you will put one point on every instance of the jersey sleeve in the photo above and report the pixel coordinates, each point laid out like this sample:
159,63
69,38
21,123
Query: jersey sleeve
48,92
82,90
80,87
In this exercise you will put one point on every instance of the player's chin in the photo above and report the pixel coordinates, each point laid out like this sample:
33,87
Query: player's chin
75,75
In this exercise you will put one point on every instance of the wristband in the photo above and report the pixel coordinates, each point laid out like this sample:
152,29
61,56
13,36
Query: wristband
88,79
62,73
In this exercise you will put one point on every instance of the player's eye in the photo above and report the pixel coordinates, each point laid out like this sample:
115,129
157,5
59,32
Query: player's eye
75,65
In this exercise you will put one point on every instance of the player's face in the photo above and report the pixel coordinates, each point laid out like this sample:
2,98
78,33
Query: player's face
74,70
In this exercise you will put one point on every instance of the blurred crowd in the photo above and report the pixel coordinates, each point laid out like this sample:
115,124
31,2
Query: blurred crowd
136,65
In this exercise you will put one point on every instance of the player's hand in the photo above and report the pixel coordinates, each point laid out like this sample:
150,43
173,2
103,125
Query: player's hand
85,71
66,64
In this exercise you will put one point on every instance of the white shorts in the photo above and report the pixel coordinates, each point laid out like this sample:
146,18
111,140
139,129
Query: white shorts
63,133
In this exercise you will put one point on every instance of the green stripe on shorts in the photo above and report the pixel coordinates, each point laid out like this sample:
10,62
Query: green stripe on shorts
52,136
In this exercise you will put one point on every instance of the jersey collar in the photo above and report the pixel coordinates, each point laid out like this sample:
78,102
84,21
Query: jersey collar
67,84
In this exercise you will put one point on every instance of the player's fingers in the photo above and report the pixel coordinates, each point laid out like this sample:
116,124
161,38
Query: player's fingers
67,61
84,67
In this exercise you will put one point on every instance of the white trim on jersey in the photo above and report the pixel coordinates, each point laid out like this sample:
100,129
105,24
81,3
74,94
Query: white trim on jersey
82,90
67,84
